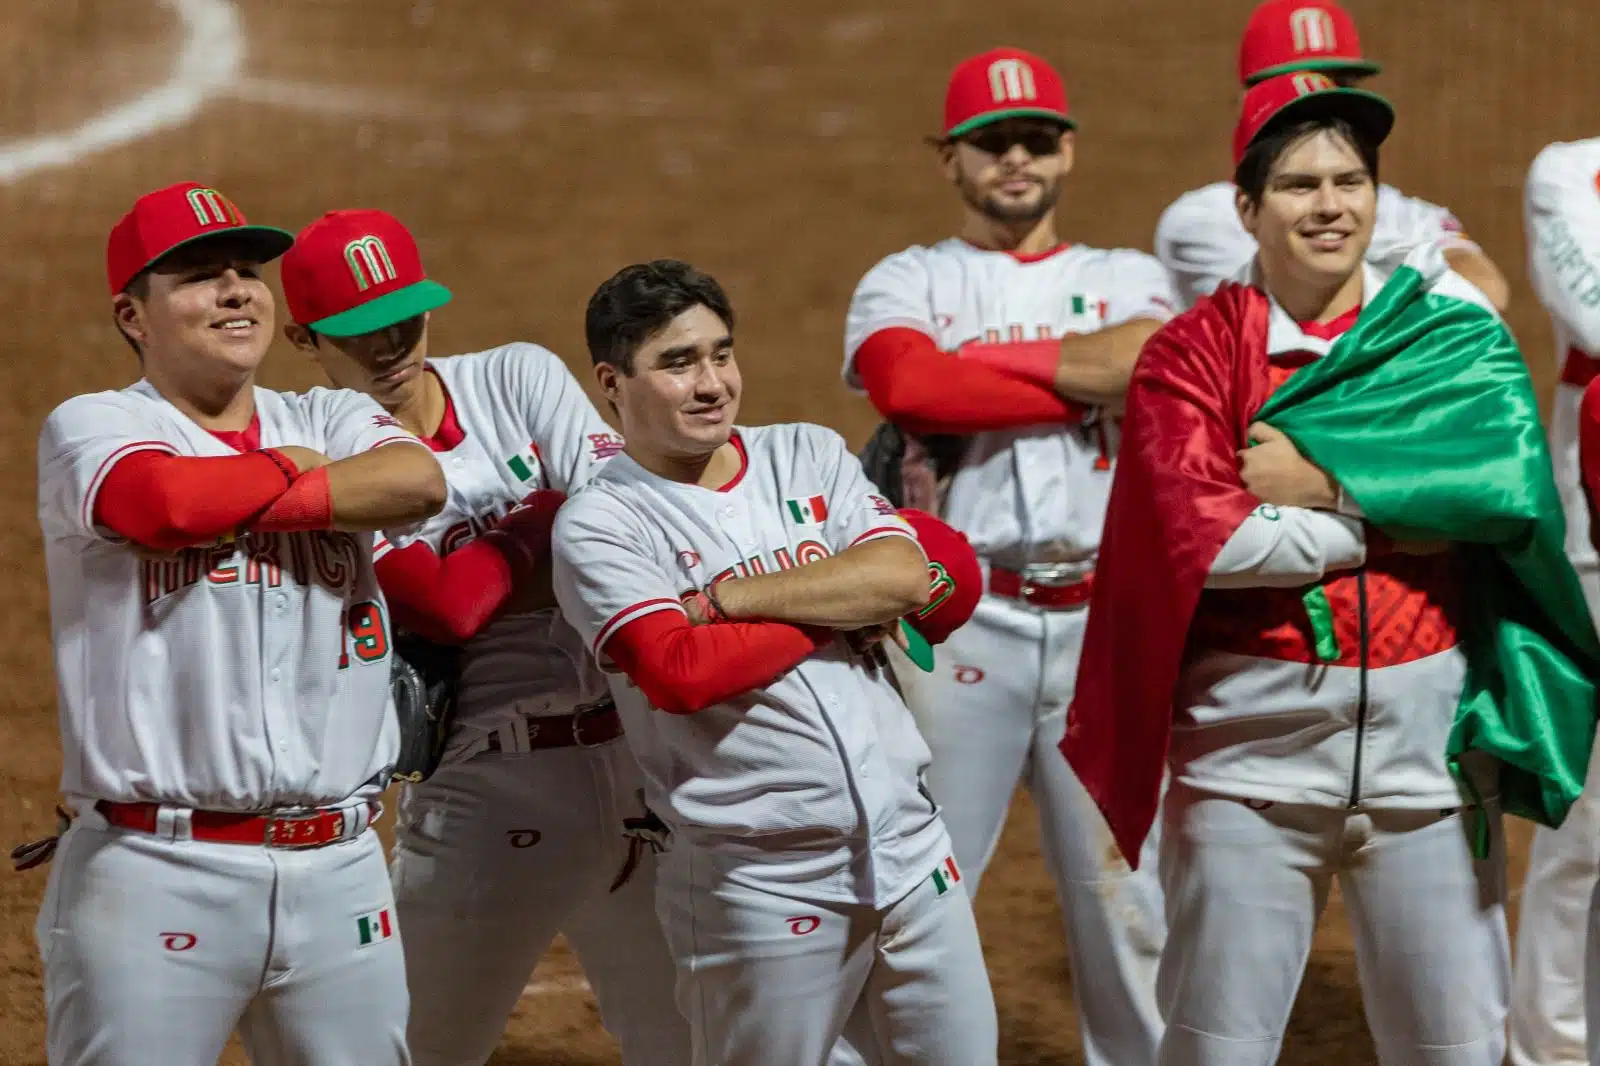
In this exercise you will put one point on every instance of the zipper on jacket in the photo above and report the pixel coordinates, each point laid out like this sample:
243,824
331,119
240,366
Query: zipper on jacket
1361,690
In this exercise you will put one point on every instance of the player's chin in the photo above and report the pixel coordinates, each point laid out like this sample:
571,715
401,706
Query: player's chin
241,353
713,428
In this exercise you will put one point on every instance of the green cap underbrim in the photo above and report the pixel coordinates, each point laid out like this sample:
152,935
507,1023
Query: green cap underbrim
1365,110
918,650
1323,66
990,117
265,243
385,310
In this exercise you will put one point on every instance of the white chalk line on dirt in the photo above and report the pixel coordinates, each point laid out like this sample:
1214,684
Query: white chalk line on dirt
556,986
209,60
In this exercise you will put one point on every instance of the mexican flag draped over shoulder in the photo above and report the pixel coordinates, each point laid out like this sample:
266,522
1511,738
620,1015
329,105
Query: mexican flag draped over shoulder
1425,413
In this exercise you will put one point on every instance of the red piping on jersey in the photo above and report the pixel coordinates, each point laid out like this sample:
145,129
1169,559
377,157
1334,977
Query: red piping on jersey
924,390
170,502
449,434
683,668
744,463
449,599
1022,257
1333,328
247,439
881,531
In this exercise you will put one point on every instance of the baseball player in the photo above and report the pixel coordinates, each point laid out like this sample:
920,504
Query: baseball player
1199,237
1328,701
736,581
222,660
519,834
1017,345
1562,218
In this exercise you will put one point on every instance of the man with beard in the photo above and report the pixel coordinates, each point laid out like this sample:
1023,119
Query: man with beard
1015,347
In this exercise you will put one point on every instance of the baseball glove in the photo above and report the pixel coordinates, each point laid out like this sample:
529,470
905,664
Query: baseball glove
907,468
423,677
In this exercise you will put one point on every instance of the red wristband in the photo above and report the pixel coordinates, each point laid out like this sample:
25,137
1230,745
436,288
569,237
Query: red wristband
307,504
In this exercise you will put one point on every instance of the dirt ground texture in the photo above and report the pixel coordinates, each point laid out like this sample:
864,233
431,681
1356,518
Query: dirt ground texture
535,148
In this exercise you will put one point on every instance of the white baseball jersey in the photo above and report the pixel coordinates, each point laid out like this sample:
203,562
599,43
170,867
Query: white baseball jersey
1034,493
815,780
526,425
1561,207
1201,240
240,677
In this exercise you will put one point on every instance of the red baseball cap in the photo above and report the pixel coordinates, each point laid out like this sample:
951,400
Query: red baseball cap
954,577
1289,97
354,272
1289,35
167,219
1003,83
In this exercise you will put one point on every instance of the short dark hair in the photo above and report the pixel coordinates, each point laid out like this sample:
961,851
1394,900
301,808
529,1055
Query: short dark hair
1251,174
639,301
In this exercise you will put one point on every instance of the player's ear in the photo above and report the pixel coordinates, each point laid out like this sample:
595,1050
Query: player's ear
1069,149
300,337
949,165
130,317
1247,210
605,376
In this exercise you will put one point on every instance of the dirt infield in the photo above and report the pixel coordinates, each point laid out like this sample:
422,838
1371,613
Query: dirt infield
535,148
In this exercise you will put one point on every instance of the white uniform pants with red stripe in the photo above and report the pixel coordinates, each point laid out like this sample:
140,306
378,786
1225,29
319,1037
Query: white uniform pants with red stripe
768,980
993,712
1548,979
156,948
493,857
1245,884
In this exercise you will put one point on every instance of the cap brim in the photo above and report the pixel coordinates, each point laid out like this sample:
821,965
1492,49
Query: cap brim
991,117
385,311
265,243
1367,111
1349,65
918,650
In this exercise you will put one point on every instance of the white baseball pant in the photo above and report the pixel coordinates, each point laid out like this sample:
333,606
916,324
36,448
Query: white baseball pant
993,713
1548,978
156,947
768,980
496,855
1245,883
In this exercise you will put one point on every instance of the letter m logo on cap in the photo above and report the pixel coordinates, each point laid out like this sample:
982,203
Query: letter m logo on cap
1011,81
1306,84
369,262
1312,29
211,208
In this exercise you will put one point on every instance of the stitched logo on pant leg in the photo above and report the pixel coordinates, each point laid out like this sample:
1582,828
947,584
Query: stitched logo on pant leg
946,876
373,928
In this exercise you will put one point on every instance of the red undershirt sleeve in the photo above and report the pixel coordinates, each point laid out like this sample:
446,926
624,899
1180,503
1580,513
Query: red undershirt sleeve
448,599
682,668
170,502
919,388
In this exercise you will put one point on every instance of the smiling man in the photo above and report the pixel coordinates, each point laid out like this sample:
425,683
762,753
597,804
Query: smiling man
736,581
518,832
1006,351
1315,458
222,657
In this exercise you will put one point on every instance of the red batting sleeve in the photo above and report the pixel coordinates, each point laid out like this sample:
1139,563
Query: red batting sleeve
169,502
683,668
919,388
447,600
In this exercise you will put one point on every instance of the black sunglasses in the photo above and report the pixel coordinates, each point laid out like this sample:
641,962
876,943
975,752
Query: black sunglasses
997,140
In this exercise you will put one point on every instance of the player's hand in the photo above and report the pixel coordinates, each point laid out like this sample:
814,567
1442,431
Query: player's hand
863,640
1274,470
305,460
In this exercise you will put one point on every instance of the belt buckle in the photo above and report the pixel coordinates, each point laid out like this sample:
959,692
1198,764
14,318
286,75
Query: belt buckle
581,714
1052,575
293,832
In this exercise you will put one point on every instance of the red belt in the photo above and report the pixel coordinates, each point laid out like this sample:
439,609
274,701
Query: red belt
587,727
310,829
1051,596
